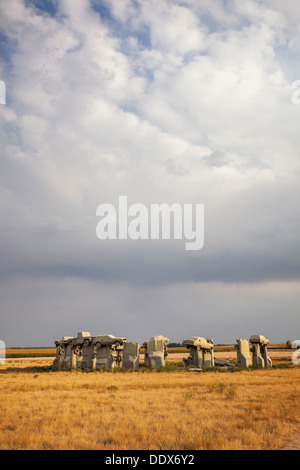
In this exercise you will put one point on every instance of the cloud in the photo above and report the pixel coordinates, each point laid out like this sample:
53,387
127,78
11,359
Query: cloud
60,307
164,102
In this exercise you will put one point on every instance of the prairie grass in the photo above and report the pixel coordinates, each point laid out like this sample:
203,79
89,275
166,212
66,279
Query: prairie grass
30,352
176,409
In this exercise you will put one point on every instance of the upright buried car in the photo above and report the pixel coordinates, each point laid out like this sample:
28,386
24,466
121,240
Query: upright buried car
108,351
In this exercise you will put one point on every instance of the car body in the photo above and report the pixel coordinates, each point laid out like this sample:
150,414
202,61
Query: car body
108,340
259,339
197,341
63,341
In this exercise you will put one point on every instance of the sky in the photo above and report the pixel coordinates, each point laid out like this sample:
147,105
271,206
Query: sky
161,101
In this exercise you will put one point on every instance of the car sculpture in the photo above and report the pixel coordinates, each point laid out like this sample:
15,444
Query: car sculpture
198,342
108,340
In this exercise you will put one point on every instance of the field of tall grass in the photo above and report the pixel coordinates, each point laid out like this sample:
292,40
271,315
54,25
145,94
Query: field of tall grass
175,409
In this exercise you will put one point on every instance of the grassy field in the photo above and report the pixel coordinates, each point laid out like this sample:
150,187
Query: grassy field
144,409
30,352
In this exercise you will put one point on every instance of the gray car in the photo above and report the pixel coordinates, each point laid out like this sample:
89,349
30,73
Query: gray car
109,340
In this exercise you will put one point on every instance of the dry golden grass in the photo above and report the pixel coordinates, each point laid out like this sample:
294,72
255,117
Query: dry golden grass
27,352
181,410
